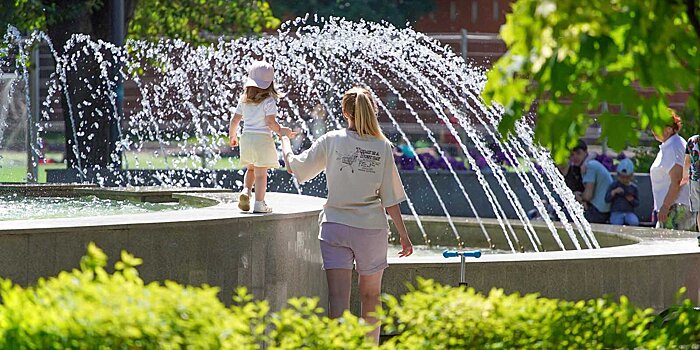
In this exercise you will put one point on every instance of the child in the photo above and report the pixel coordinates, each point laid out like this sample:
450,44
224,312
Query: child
623,195
257,108
691,174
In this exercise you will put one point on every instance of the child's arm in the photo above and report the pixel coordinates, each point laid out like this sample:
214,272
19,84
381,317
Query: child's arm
272,123
635,197
233,130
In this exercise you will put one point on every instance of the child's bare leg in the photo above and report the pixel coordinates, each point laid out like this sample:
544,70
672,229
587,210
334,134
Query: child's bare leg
260,183
249,178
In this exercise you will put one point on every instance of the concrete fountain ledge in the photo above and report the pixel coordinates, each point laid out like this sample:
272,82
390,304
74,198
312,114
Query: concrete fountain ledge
649,269
275,255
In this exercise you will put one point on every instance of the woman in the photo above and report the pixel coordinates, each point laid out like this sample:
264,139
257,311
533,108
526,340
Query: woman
671,202
363,185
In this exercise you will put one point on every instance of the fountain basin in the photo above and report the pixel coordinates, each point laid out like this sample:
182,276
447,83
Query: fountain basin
43,201
649,269
277,255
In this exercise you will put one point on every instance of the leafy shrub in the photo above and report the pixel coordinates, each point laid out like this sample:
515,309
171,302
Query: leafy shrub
441,317
90,308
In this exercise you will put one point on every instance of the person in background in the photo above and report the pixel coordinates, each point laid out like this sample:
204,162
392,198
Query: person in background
671,197
594,182
318,121
572,173
623,196
691,175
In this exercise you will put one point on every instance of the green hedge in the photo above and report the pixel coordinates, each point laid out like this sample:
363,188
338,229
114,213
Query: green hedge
92,309
434,316
89,308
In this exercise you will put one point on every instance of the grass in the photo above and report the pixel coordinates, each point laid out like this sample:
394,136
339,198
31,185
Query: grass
13,164
147,160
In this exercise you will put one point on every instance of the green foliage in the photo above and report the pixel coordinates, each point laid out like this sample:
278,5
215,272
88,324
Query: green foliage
195,21
91,308
396,12
30,15
23,14
200,21
643,158
440,317
691,122
569,58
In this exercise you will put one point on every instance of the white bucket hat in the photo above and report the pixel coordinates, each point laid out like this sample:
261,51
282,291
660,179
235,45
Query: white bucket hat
260,74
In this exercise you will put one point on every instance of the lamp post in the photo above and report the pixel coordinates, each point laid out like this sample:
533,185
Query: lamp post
114,123
33,117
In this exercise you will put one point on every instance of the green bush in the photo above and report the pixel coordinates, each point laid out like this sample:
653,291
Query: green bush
89,308
441,317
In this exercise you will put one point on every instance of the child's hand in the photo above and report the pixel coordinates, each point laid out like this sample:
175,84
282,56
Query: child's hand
617,190
285,131
233,140
629,197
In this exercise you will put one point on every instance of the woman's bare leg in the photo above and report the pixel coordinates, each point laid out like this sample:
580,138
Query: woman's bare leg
370,291
339,283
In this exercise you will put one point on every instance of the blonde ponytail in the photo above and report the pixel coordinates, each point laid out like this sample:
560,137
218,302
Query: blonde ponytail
359,104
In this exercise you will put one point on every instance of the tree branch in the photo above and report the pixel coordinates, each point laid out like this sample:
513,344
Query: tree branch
691,9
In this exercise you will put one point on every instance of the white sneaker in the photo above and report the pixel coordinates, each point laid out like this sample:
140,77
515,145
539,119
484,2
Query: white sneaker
244,201
261,207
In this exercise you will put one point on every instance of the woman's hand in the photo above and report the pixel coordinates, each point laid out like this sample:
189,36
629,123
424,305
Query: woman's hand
406,246
663,213
286,151
233,140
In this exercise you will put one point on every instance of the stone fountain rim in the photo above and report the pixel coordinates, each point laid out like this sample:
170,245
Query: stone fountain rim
224,209
651,242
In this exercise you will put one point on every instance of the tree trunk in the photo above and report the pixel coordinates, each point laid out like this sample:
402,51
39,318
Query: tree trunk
87,105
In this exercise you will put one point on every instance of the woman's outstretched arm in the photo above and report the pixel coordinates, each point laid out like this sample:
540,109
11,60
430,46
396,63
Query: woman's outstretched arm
286,151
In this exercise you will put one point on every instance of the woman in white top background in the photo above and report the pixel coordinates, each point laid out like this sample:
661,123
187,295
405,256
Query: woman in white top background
671,201
363,185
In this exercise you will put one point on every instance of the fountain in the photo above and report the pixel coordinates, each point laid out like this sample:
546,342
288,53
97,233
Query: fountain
175,134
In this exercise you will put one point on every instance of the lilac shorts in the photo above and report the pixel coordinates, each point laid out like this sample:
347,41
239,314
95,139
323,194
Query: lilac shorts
342,244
